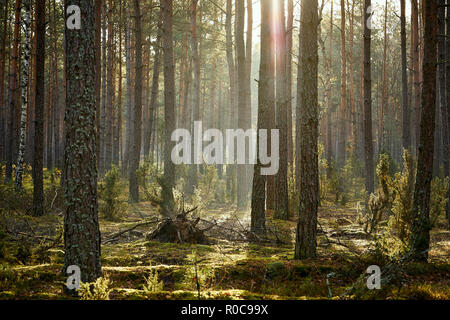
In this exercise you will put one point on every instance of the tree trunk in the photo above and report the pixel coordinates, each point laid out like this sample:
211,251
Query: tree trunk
289,34
329,151
232,92
155,87
195,88
368,140
343,108
354,145
128,143
306,235
3,108
109,90
384,87
169,108
241,98
24,86
442,85
406,136
38,154
281,179
104,79
98,72
420,230
81,227
415,65
266,88
11,132
447,89
135,148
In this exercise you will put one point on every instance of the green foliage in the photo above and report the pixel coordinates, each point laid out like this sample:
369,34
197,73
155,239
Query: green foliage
438,198
197,276
152,283
381,202
111,206
403,184
98,290
293,194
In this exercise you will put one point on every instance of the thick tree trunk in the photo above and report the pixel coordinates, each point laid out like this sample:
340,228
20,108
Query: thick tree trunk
135,148
306,235
38,154
420,230
368,140
169,108
266,88
81,228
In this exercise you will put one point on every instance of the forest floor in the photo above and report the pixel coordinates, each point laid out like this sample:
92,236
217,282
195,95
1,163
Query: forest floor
32,259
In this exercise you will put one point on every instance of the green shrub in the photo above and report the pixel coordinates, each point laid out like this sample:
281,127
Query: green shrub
438,199
152,283
403,184
111,206
98,290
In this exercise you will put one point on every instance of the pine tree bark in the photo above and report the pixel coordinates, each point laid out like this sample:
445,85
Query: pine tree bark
81,227
384,86
98,72
415,66
281,179
38,154
266,88
406,126
169,108
447,89
306,234
3,107
195,88
442,86
289,37
343,107
420,230
126,157
232,91
354,144
135,148
241,98
109,89
368,140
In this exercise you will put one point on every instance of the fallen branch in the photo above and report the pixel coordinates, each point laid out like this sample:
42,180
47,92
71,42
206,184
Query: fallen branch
118,234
